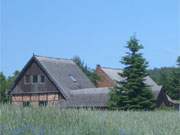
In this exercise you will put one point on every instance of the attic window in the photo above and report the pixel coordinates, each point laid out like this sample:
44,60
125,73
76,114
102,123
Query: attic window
35,79
27,79
72,78
42,78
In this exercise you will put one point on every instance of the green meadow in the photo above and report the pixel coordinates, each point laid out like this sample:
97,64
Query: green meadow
54,121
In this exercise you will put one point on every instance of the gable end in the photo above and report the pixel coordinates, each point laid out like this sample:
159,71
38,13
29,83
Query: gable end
51,88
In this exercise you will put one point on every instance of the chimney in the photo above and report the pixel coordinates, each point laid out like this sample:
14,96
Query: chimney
98,66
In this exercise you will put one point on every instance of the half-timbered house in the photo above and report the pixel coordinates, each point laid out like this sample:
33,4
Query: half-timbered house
46,80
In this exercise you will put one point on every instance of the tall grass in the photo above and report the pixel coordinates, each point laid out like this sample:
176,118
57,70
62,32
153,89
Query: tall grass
53,121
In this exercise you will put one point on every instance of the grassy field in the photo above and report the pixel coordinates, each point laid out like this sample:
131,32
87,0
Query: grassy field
53,121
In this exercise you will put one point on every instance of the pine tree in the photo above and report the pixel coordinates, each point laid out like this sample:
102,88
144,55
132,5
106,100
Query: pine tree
174,90
178,61
3,87
133,93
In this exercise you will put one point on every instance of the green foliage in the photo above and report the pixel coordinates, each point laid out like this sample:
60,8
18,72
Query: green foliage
3,88
178,61
133,94
5,85
91,74
175,82
169,78
161,75
55,121
165,108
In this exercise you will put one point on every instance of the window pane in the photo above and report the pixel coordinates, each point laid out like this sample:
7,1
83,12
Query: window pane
72,78
43,103
26,104
42,79
35,78
27,79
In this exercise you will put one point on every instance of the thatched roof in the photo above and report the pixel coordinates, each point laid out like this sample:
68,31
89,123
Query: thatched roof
92,97
64,73
113,74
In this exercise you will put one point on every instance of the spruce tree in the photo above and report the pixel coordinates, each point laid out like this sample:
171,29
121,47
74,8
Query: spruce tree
3,87
178,61
132,93
174,89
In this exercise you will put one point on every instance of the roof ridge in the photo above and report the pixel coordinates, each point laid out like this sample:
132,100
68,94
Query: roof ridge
112,68
52,57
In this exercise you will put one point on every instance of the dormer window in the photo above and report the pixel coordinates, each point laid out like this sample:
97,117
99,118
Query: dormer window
35,79
27,79
72,78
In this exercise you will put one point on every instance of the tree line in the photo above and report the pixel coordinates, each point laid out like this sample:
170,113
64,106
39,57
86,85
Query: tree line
169,78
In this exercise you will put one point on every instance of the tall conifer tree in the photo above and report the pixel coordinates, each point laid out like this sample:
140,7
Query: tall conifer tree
132,93
174,89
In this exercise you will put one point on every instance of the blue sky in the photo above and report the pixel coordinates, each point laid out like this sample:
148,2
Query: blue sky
95,30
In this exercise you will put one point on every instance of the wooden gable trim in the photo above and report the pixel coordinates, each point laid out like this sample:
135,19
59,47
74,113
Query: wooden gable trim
25,68
163,99
21,74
